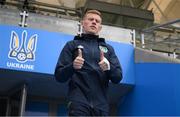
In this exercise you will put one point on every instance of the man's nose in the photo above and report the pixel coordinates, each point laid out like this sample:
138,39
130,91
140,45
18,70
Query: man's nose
94,22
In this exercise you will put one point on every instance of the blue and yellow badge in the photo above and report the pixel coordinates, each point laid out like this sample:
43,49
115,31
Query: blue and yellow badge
22,49
103,48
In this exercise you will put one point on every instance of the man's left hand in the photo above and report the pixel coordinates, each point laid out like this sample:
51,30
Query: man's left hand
104,63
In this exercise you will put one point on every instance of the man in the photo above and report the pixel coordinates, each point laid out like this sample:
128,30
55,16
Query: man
88,62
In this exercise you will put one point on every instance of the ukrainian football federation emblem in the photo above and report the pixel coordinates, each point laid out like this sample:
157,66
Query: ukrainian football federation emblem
24,49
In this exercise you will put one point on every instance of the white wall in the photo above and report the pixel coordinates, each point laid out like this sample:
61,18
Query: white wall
55,24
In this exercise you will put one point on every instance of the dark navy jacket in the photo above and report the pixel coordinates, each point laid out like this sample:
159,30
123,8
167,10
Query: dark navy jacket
88,85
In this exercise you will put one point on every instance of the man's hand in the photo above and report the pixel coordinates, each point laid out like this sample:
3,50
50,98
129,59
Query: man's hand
78,61
104,63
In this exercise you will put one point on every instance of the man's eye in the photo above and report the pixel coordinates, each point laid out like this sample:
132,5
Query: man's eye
91,19
97,21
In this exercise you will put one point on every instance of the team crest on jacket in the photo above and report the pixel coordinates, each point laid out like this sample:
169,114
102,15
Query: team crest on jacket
103,48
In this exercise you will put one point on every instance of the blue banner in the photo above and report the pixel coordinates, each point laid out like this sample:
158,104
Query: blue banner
33,50
30,50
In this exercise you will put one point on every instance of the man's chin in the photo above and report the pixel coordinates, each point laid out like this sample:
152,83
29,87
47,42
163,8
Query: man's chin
92,33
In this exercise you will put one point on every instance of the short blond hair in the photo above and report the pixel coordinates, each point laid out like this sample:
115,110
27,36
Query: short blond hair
93,12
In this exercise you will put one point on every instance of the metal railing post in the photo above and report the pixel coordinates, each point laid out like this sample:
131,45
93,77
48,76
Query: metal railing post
142,40
23,100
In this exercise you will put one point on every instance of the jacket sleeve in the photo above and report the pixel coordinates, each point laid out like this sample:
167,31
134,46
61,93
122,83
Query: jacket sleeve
115,72
64,68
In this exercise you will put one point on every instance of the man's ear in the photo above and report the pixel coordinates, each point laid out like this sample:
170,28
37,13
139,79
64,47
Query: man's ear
100,27
81,22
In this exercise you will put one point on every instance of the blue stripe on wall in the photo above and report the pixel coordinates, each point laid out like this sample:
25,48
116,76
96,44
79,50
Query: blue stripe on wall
48,47
157,91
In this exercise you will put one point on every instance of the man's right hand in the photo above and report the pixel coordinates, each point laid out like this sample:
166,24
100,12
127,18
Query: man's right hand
78,61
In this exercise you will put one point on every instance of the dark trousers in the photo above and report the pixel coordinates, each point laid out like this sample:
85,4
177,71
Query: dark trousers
79,109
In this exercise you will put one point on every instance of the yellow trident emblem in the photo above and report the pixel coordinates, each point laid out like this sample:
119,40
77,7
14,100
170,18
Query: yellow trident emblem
21,50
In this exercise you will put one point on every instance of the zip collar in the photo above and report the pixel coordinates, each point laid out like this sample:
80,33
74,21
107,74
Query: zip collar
89,37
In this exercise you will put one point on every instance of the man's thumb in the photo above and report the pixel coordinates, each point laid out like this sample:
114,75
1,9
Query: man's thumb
101,55
80,53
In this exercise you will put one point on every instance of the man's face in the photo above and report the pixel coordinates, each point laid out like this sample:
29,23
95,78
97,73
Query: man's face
92,24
